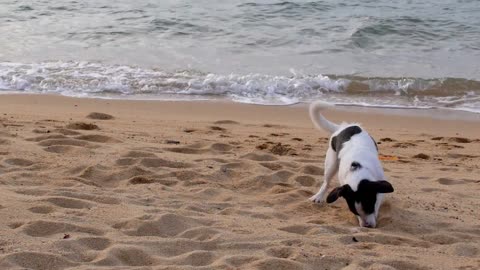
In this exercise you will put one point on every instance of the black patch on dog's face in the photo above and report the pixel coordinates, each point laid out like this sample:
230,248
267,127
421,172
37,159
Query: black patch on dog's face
366,195
344,136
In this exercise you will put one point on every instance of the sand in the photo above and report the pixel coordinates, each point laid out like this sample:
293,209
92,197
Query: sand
106,184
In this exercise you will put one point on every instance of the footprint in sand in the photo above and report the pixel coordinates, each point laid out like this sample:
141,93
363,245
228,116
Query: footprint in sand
20,162
138,180
98,175
459,140
60,144
4,142
259,157
217,128
100,198
187,150
126,161
159,162
277,149
97,138
449,181
305,180
139,154
226,122
403,265
82,126
94,243
464,250
196,258
69,142
47,137
66,149
82,249
167,225
66,132
221,147
404,145
189,130
449,146
123,255
202,148
278,263
69,203
298,229
238,261
428,190
15,224
99,116
277,178
272,165
142,180
422,156
386,239
440,239
41,209
311,170
272,126
42,228
35,260
200,234
278,134
280,252
461,156
448,169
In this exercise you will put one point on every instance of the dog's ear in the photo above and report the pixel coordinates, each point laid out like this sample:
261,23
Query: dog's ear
383,186
336,193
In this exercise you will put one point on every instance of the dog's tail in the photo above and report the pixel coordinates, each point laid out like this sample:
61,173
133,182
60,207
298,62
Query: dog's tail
318,119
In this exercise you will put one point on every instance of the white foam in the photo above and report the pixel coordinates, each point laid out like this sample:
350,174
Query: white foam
86,79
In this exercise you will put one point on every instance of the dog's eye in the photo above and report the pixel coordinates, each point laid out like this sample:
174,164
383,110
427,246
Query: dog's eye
355,166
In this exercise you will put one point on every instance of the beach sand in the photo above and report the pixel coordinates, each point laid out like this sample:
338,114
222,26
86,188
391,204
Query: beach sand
191,185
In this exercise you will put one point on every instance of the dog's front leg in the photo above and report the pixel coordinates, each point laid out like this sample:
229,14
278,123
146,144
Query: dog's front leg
331,168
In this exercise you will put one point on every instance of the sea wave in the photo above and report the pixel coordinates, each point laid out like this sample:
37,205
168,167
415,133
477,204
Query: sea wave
92,79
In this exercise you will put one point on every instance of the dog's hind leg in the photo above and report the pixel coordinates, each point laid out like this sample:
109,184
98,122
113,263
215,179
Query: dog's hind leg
331,168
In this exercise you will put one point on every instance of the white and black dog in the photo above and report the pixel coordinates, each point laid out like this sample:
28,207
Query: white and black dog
353,153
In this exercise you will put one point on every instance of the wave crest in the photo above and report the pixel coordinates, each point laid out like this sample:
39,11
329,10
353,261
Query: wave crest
116,81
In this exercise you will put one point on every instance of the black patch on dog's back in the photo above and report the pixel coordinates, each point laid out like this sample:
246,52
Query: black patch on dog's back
344,136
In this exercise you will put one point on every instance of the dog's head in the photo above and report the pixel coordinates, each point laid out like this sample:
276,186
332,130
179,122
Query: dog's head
363,202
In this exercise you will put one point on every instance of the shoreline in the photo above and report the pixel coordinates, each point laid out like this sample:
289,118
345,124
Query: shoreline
432,120
437,113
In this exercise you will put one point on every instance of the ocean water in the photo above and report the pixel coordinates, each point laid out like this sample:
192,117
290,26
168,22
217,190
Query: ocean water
391,53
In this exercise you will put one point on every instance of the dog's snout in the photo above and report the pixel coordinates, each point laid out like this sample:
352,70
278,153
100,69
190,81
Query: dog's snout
368,225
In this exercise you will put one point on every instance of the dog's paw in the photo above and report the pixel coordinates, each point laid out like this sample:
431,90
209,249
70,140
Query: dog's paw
317,199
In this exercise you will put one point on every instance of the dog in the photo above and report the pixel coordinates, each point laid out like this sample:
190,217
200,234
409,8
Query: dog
353,153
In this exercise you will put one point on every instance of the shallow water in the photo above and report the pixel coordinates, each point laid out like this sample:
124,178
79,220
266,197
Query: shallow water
387,53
